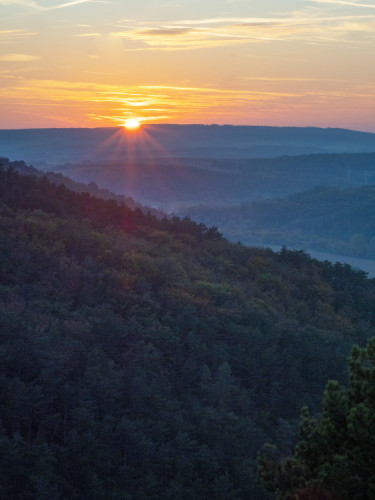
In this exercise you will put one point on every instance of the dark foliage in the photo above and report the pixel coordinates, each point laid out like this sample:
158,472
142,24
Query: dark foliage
78,187
149,359
334,458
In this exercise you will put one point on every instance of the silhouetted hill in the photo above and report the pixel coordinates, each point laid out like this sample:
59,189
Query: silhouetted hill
78,187
56,146
148,358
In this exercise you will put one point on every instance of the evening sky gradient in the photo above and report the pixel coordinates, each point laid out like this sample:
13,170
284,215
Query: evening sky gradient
90,63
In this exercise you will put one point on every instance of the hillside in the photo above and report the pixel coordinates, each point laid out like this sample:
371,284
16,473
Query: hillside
150,358
78,187
339,221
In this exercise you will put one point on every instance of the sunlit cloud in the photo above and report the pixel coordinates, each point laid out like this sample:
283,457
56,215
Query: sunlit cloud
87,35
15,33
11,36
179,38
91,104
19,58
147,103
206,90
120,120
226,31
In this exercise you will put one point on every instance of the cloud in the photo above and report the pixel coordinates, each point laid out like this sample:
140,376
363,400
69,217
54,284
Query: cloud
150,103
166,31
177,37
89,102
284,79
217,32
74,2
35,5
87,35
26,3
345,3
10,36
19,58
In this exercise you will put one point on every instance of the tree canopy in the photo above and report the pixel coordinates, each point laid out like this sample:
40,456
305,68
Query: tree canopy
335,455
147,358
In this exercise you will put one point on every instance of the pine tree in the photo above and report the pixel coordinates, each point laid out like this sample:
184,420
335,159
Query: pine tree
335,455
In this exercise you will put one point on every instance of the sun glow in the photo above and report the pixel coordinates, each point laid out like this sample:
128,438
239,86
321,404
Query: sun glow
132,124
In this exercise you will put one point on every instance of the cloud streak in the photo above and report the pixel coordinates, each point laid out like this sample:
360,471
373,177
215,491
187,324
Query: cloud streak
83,35
35,5
150,103
91,103
345,3
11,36
226,31
19,58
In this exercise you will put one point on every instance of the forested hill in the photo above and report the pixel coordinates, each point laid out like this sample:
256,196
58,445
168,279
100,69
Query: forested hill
150,359
79,187
327,219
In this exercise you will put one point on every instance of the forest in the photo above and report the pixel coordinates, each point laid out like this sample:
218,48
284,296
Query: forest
327,219
144,357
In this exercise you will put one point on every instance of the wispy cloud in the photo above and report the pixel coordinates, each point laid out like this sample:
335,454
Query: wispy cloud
10,36
224,92
345,3
74,2
179,37
89,102
26,3
283,79
223,31
149,103
35,5
19,58
87,35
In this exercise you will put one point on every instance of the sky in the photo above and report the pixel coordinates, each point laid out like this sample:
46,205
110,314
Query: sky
95,63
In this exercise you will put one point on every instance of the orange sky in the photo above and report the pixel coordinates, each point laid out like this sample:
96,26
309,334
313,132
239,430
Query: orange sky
89,63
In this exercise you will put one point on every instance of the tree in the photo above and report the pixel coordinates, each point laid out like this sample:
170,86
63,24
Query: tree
335,456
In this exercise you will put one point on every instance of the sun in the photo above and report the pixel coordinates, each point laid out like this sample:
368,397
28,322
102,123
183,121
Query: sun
132,124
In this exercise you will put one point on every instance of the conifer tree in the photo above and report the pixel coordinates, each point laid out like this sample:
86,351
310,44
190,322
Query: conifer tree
335,455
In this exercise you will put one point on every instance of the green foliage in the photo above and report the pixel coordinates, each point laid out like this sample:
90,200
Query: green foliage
148,358
335,452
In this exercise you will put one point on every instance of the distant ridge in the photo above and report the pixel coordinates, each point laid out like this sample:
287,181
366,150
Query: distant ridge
57,146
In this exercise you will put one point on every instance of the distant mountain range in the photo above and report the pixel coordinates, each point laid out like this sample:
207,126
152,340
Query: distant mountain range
56,146
170,184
